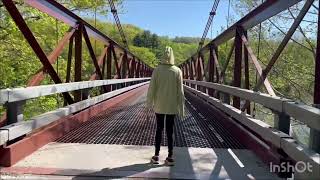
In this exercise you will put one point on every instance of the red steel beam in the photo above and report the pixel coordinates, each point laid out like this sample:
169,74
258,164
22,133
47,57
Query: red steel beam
101,62
133,68
198,71
109,64
265,11
211,69
211,65
120,65
225,66
246,71
216,63
78,61
187,70
69,62
129,66
284,42
138,70
142,70
91,52
58,11
124,63
201,63
316,97
192,71
281,46
314,137
39,76
257,65
18,19
237,68
116,62
181,67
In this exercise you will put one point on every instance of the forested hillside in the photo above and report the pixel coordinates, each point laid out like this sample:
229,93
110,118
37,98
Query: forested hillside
149,46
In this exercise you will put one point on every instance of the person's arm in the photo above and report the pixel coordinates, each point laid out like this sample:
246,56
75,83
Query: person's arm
180,95
152,89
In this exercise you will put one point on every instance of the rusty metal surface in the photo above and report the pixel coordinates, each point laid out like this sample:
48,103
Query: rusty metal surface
131,123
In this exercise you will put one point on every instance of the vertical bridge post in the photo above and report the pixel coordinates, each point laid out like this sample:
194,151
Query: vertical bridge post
314,141
78,60
237,65
14,112
187,71
192,71
282,122
211,69
246,70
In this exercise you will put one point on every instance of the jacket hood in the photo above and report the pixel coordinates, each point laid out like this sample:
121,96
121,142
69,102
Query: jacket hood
168,57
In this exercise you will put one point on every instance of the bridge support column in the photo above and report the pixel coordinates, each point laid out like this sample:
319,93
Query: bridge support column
211,69
314,141
192,71
246,71
216,70
69,62
15,112
225,97
78,61
282,122
188,72
200,71
109,63
237,65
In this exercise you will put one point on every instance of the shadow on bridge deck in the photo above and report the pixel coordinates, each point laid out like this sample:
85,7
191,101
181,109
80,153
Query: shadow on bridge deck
119,143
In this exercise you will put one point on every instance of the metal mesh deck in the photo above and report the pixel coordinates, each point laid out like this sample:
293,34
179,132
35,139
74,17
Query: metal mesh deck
131,123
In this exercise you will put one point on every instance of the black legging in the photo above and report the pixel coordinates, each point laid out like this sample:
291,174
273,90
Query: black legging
169,130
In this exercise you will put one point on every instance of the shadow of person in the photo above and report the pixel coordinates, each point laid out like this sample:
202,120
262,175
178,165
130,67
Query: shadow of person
118,172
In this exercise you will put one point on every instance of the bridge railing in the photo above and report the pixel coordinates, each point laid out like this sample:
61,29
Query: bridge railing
14,99
283,107
208,64
277,136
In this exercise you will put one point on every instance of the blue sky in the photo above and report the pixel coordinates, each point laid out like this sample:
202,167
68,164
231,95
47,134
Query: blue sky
174,17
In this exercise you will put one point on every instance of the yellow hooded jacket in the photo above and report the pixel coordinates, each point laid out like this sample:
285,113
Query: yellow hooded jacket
165,93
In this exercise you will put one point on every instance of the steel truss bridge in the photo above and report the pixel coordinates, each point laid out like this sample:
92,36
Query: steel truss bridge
218,138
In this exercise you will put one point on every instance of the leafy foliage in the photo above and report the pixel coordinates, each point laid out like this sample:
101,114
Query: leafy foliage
146,39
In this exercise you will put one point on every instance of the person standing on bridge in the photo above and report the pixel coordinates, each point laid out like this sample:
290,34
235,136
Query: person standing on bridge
166,96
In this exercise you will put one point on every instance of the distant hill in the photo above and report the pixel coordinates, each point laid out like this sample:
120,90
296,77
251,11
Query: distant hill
149,46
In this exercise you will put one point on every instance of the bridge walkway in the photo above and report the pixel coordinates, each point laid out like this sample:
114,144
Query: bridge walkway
119,143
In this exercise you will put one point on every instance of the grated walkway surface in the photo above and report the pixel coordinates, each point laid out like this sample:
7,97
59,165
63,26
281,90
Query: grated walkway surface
132,123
